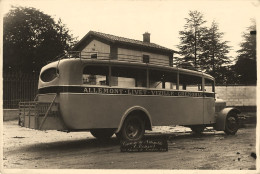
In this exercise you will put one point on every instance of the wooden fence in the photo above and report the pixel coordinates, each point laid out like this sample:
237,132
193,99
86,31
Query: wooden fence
18,87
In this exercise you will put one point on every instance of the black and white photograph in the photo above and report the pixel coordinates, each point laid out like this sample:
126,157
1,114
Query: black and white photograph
112,86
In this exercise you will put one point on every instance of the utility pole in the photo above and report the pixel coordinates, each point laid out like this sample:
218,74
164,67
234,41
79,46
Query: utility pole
213,51
195,51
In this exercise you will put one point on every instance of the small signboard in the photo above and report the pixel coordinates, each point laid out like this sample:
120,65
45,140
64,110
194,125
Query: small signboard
146,145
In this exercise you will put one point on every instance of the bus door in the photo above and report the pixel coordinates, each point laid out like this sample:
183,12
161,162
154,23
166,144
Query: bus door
192,103
209,101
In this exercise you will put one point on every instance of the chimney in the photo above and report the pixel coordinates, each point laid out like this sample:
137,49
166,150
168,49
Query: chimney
146,37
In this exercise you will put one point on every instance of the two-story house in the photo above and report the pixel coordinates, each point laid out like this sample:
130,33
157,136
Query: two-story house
105,46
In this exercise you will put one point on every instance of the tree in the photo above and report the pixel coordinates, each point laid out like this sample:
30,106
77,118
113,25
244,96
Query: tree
245,66
31,39
214,56
192,39
203,49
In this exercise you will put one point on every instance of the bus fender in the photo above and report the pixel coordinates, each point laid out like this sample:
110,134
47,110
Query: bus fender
128,111
221,118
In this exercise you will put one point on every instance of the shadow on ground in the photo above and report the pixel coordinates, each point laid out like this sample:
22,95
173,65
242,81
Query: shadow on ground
92,143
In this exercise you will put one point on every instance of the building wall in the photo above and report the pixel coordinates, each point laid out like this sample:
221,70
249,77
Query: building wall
237,95
126,54
96,46
10,114
103,51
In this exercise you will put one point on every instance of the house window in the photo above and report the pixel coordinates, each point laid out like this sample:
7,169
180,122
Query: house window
146,58
93,56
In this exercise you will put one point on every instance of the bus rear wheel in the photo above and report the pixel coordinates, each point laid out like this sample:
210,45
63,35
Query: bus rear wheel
197,129
133,129
102,133
232,124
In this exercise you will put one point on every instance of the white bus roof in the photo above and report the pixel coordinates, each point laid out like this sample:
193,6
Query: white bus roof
127,63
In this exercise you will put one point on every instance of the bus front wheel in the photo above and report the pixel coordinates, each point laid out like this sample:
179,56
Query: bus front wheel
102,133
232,124
133,129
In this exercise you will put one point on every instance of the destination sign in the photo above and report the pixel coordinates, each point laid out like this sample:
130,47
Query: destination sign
100,90
122,91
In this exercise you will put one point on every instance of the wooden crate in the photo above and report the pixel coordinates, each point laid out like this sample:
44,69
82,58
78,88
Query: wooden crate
32,113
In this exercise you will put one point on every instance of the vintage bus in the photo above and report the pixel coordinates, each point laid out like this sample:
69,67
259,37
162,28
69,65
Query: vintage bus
125,98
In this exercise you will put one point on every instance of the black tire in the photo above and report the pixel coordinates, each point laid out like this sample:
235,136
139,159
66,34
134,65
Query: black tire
232,124
102,133
133,129
197,129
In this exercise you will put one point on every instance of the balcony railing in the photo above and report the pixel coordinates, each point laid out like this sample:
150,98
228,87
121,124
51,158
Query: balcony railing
118,57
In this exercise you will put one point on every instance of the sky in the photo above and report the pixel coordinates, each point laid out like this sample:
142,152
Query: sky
163,19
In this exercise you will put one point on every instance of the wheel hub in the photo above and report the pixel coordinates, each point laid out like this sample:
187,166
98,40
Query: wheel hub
232,123
133,129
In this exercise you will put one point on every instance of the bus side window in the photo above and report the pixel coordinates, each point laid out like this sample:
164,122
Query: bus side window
184,86
162,79
128,77
190,83
209,85
95,75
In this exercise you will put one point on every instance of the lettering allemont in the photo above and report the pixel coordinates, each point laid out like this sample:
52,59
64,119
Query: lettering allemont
115,91
103,90
100,90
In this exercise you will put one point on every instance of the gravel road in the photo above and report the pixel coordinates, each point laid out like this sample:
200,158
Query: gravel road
25,148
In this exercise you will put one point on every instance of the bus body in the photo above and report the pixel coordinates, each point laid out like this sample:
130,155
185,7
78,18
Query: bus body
126,98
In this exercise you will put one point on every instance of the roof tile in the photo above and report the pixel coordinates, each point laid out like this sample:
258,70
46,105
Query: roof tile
114,38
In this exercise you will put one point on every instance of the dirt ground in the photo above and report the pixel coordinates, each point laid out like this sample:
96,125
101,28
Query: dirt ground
25,148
